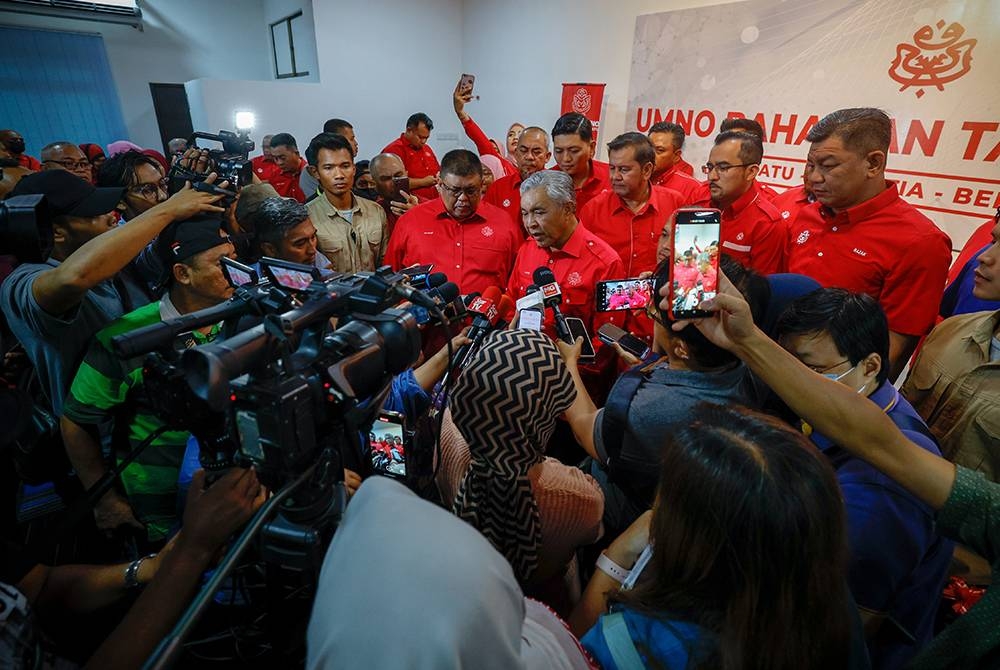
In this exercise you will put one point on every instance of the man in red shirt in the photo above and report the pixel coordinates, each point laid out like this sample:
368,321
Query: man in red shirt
384,168
630,217
754,128
862,236
264,166
290,164
474,243
668,141
419,159
14,143
791,201
532,154
575,148
753,231
577,257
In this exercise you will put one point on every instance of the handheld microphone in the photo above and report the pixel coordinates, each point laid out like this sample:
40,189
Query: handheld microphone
506,311
486,315
552,297
414,293
442,296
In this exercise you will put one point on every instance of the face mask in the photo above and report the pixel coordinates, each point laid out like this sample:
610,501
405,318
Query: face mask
16,146
835,377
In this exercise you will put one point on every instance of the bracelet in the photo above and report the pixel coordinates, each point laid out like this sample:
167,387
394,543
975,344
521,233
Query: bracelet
132,572
611,569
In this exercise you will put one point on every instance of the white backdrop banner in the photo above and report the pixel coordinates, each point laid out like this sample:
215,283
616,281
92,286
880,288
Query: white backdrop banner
932,66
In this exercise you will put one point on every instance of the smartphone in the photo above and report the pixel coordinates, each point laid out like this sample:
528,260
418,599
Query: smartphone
399,184
620,294
609,333
577,329
238,274
530,318
694,271
467,83
389,444
292,276
417,273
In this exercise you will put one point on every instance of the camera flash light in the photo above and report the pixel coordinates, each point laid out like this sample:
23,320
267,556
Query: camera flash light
245,120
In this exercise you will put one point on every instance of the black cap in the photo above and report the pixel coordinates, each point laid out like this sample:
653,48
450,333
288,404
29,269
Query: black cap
69,195
183,239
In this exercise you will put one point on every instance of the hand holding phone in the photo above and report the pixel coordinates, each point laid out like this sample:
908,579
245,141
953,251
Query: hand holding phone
693,274
609,333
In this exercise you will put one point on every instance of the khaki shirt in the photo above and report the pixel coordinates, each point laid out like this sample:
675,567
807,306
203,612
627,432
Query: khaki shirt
355,246
956,390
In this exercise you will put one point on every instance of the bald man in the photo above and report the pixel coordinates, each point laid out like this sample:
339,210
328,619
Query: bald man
67,156
384,168
531,155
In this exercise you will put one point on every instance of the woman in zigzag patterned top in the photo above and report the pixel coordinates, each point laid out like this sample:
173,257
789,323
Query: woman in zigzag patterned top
534,510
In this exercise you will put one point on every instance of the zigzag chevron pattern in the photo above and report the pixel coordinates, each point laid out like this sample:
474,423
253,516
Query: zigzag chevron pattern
505,404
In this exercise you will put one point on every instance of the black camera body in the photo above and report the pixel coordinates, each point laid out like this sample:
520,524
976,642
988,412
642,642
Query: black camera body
231,162
26,228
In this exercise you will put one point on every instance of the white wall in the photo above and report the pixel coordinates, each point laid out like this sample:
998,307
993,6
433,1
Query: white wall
380,61
524,50
182,40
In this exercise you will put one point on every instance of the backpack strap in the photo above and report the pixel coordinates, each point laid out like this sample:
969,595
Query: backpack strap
615,418
619,641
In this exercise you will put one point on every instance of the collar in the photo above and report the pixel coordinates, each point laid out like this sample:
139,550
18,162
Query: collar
442,213
745,200
982,332
866,209
298,170
591,178
331,211
167,309
574,245
406,143
650,203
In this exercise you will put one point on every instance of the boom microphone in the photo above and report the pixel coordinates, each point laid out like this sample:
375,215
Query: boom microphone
552,297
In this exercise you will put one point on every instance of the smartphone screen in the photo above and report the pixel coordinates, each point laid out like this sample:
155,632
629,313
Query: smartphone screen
400,184
388,442
577,329
289,275
238,274
695,270
621,294
466,83
609,333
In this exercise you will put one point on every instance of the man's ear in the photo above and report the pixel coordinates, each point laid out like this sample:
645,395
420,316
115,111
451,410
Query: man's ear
679,348
876,162
313,172
181,273
752,172
267,249
871,365
60,233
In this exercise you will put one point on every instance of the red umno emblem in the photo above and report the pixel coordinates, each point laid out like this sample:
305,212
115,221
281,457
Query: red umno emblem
581,101
938,56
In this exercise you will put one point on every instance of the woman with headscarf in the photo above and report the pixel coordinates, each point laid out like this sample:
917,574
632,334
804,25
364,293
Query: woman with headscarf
95,154
492,170
494,473
406,584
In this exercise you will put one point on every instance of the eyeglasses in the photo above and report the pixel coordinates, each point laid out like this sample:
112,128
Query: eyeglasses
150,190
469,192
71,164
816,368
722,168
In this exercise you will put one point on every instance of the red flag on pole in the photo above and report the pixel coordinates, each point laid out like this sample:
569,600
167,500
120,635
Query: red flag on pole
586,99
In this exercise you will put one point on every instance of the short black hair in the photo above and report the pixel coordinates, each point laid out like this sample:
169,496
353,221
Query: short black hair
745,125
331,141
275,217
854,321
461,163
418,118
644,151
862,129
363,166
336,125
572,123
702,350
120,169
751,148
675,130
284,140
753,285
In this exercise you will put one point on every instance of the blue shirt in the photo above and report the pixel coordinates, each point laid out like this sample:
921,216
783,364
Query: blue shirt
667,642
958,298
898,562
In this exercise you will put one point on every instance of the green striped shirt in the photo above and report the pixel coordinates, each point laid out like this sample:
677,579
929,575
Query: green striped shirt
107,388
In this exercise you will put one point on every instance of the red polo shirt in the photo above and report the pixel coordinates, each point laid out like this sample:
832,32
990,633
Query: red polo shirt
789,202
883,247
505,193
484,147
583,261
287,183
690,188
632,235
264,167
29,162
475,253
598,182
767,191
419,163
753,232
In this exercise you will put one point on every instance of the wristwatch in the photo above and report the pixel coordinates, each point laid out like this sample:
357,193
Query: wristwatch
132,572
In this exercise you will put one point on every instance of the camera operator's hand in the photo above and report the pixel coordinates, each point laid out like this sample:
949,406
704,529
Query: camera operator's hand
400,208
113,511
188,201
212,515
352,480
570,352
196,160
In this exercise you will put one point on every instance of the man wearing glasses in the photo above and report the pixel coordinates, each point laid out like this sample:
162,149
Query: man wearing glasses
473,243
67,156
532,154
753,232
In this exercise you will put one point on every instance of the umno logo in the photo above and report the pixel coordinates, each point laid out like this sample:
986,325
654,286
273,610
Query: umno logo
581,101
936,57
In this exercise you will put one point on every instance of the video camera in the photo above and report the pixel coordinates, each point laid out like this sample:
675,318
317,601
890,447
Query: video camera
26,228
231,162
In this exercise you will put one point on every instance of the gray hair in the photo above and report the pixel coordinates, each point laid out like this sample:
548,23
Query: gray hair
558,186
276,216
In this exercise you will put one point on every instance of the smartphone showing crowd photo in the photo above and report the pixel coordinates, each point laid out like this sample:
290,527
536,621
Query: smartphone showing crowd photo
388,445
695,270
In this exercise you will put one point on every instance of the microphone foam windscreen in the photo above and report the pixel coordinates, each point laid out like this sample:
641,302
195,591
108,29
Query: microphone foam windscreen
543,275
